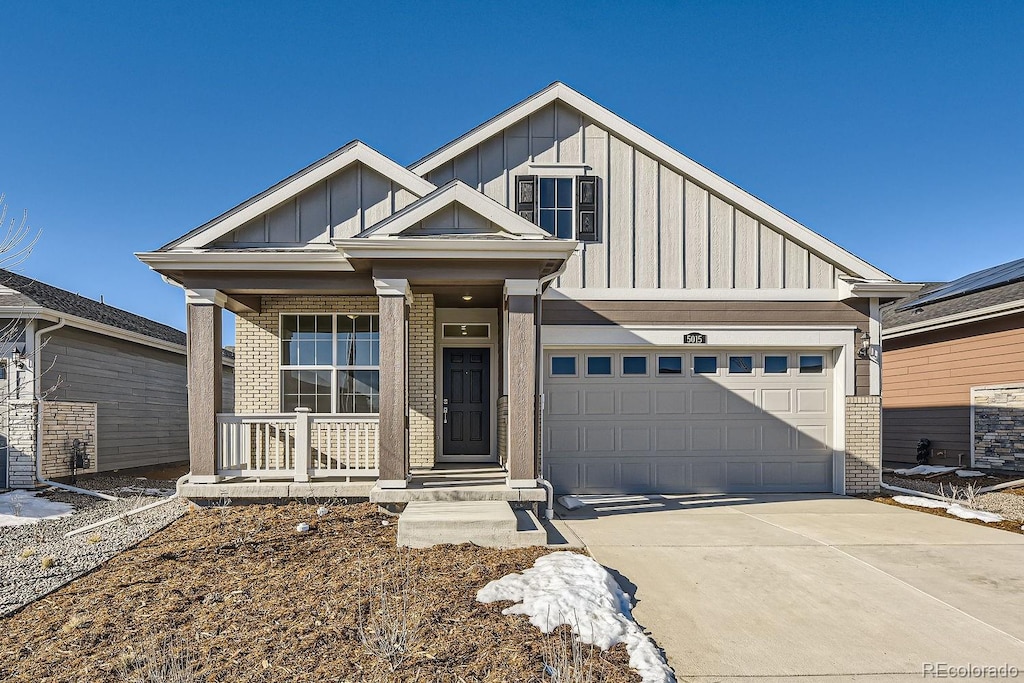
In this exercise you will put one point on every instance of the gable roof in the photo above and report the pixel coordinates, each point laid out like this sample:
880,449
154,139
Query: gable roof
456,192
558,91
297,183
24,292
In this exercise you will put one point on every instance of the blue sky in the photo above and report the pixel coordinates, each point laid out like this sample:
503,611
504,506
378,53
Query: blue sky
892,128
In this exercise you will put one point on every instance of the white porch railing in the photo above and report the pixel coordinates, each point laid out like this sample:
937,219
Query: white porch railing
296,446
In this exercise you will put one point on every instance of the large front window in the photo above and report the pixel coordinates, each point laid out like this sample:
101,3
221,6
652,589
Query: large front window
330,363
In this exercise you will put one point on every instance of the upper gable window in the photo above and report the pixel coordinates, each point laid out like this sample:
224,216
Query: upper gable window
555,206
564,206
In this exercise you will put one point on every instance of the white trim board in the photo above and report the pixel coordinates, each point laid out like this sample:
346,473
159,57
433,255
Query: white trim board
677,161
582,336
682,294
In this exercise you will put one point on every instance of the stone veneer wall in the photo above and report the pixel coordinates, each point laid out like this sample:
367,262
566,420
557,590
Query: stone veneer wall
999,427
257,353
19,430
863,444
63,422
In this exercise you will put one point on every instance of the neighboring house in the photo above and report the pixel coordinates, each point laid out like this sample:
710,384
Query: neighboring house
555,291
73,368
954,369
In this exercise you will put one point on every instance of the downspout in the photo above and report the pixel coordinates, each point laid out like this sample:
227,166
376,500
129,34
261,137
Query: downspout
549,511
37,390
174,496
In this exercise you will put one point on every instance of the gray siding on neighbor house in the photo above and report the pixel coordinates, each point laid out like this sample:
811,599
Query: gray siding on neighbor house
658,228
140,394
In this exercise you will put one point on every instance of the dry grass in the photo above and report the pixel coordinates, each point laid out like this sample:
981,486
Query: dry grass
249,599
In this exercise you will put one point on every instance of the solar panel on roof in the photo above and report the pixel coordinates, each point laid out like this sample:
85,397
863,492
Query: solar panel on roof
995,276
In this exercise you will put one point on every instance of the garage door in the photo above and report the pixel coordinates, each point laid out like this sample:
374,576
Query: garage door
628,421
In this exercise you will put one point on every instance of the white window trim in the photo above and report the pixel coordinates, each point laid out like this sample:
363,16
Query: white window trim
551,365
333,368
682,365
718,364
464,323
789,364
753,363
622,361
611,364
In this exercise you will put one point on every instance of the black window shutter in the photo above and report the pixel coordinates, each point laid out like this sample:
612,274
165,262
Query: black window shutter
586,207
526,197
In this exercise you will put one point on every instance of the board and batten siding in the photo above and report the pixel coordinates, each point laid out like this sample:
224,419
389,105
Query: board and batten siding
658,228
927,380
342,205
140,392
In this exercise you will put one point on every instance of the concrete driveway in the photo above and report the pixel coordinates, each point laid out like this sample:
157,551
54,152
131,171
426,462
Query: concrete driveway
817,587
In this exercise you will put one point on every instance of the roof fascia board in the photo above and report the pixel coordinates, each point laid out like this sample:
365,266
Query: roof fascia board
672,158
426,248
323,259
301,181
50,315
454,191
887,289
624,294
954,320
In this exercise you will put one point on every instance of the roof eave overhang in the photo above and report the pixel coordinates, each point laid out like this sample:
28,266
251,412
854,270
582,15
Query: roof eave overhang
886,290
300,259
954,320
454,248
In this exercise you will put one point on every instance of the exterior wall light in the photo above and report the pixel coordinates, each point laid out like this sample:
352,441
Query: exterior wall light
865,346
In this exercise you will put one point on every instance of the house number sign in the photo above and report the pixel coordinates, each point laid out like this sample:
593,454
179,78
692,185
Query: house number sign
695,338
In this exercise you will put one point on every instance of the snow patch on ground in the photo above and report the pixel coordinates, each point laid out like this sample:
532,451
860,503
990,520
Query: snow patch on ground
926,469
569,588
954,509
22,507
969,473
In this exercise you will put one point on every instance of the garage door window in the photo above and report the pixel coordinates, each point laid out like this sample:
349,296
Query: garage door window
812,365
670,365
741,365
705,365
634,365
564,366
776,365
599,366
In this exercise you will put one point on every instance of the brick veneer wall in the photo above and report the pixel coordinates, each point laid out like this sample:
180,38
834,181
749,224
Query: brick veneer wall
999,427
863,444
63,422
257,354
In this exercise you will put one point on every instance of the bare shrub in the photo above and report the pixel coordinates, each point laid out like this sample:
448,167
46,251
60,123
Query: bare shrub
966,495
388,628
160,661
566,658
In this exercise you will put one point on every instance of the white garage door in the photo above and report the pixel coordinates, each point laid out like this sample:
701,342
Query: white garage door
629,421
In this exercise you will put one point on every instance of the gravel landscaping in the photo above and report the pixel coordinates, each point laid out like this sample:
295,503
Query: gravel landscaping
1006,503
35,558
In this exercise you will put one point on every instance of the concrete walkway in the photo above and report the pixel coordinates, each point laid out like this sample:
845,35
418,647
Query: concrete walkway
824,588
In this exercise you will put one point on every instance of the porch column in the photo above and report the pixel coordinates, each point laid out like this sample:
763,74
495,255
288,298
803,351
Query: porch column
393,428
521,351
205,385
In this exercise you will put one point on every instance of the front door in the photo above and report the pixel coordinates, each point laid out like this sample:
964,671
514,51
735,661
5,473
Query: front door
466,402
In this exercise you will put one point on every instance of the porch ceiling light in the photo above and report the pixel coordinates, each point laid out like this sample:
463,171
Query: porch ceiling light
467,297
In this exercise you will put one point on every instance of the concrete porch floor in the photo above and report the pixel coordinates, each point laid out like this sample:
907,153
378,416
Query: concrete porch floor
445,482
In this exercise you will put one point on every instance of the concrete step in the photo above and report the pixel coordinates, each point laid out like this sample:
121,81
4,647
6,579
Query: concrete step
488,523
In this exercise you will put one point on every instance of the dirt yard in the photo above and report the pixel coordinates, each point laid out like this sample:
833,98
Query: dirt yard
236,594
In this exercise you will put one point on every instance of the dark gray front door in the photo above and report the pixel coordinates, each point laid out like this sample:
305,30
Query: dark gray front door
466,402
